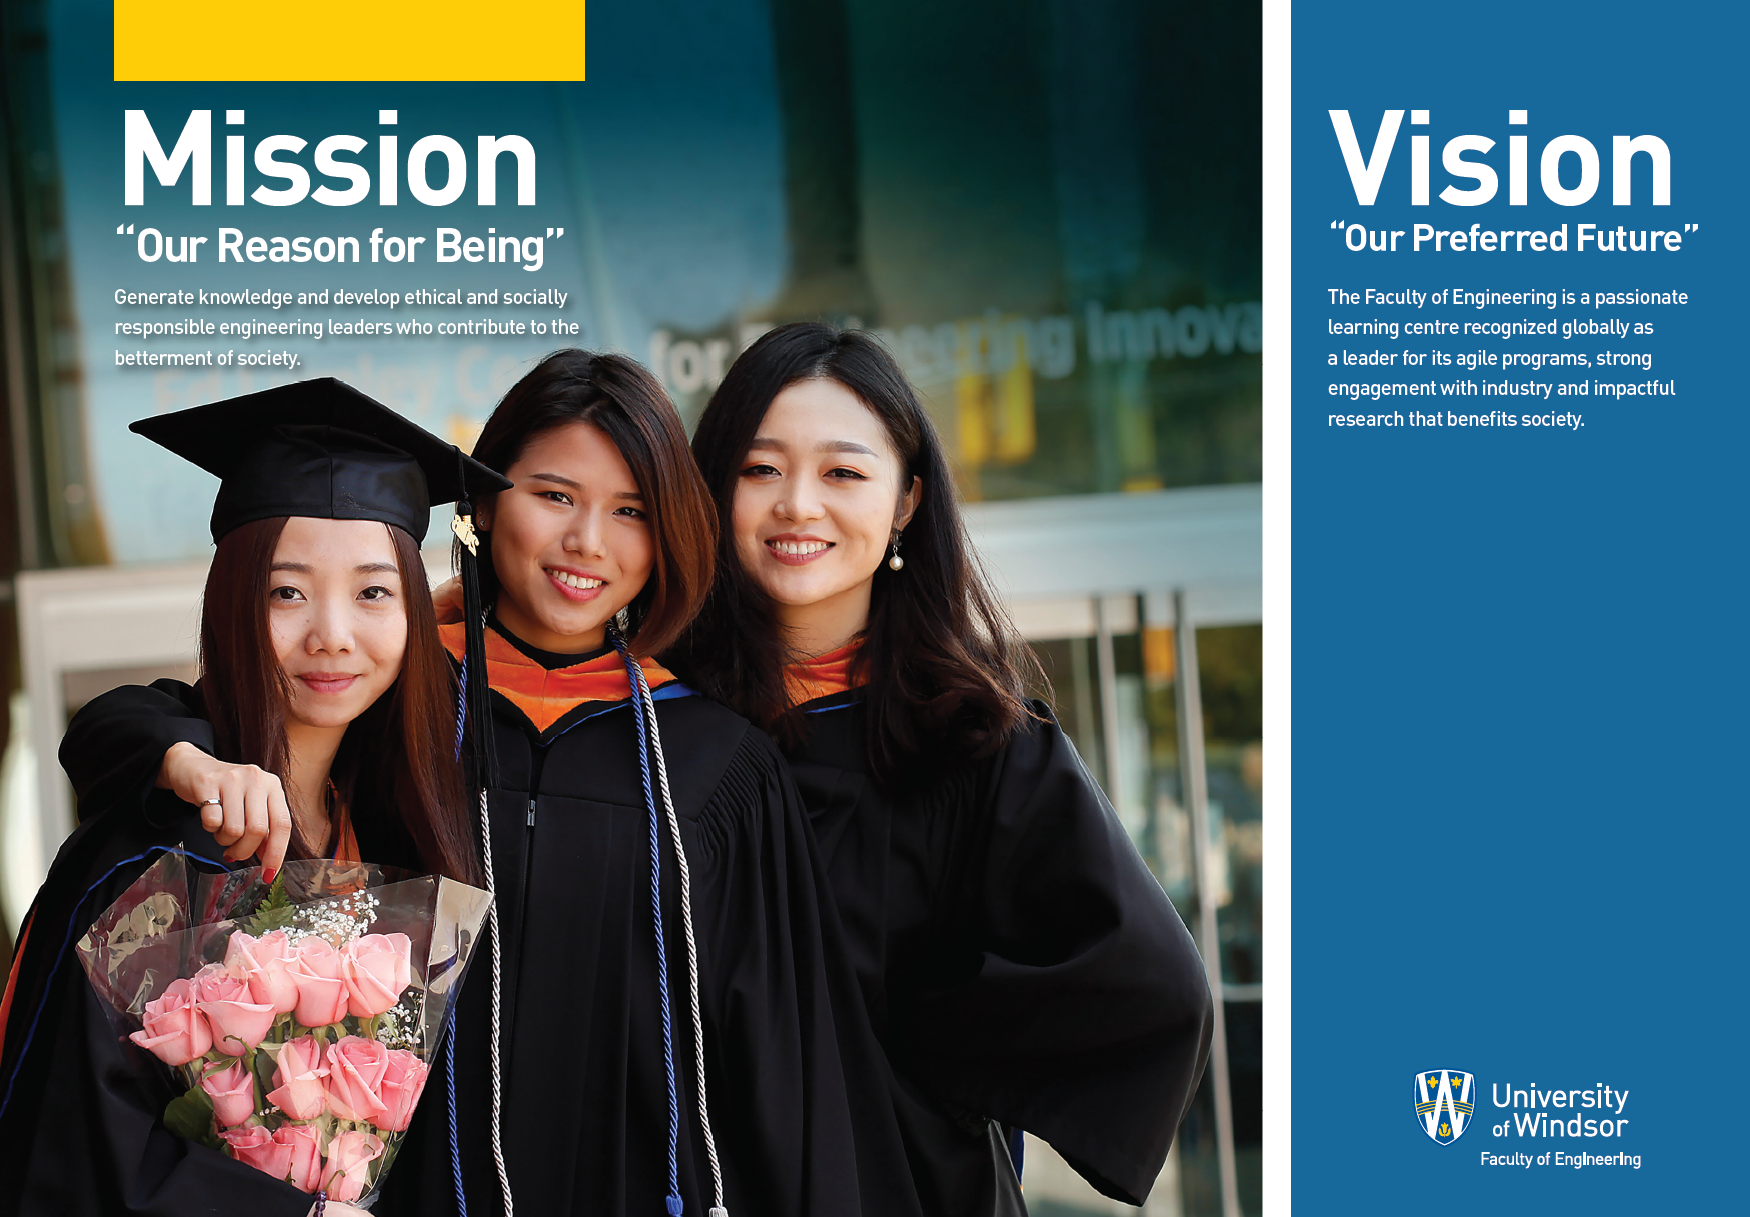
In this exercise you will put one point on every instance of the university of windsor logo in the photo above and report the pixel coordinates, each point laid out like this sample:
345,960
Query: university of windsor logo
1443,1103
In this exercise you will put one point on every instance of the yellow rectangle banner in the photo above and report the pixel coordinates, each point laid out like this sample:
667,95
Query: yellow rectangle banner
349,40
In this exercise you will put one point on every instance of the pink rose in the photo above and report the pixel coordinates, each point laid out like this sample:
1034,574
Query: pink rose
264,964
376,968
256,1147
346,1174
238,1023
315,969
232,1091
403,1083
174,1030
299,1075
355,1079
303,1155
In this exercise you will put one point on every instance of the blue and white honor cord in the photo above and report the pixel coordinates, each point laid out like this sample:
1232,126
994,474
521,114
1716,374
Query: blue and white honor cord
497,968
649,706
649,740
497,971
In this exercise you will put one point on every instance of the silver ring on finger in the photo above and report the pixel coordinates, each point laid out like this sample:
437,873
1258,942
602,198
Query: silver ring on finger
212,802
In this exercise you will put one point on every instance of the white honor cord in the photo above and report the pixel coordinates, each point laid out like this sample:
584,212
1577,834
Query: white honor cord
497,965
648,705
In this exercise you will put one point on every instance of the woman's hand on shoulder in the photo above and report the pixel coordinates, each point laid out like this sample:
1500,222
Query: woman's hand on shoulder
446,598
250,816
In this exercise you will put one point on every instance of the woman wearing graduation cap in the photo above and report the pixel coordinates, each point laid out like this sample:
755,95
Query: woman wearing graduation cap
322,670
1021,966
658,1033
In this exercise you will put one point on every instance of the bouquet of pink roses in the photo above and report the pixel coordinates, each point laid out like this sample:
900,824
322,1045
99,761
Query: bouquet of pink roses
301,1016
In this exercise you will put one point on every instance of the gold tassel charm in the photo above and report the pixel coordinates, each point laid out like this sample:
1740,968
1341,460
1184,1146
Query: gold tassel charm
463,527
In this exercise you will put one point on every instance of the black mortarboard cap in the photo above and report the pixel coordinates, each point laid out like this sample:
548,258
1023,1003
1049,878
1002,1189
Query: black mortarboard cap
319,448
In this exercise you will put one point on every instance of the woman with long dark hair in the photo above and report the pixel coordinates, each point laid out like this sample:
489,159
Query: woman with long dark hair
599,554
1021,967
657,1029
320,666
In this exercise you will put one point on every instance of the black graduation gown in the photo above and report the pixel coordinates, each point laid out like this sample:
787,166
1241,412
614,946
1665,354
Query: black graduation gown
1019,962
80,1131
584,1092
585,1115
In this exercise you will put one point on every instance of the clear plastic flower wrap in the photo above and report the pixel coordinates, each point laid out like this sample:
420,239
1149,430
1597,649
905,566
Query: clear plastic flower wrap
301,1017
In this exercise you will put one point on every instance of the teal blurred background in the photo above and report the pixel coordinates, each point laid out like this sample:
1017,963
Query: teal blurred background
1049,210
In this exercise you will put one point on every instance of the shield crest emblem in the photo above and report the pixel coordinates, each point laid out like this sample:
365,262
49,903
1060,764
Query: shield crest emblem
1444,1098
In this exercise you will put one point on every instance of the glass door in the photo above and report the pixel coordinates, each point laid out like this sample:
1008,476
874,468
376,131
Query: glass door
1116,690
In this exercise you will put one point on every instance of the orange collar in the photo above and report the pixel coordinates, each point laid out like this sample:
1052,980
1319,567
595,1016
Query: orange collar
821,676
547,696
346,842
12,978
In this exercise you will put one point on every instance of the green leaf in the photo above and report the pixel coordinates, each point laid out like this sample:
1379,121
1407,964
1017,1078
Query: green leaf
191,1117
273,913
265,1064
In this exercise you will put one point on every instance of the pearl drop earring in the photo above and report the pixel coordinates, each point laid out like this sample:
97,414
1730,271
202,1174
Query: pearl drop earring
896,562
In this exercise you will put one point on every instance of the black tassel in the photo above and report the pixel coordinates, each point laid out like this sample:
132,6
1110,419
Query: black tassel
474,647
479,714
